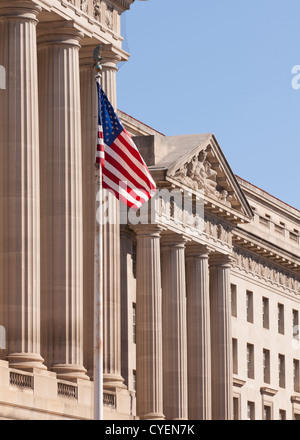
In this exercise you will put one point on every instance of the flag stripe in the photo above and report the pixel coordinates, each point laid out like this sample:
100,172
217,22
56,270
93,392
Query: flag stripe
124,165
121,192
135,165
121,173
133,193
124,170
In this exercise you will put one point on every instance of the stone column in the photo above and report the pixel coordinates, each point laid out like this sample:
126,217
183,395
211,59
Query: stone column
111,254
19,185
88,101
61,198
198,333
221,339
109,65
174,327
149,324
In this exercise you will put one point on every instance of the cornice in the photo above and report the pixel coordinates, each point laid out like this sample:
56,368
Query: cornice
124,4
265,249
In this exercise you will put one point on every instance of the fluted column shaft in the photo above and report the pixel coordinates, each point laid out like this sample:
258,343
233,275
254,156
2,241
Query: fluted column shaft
19,185
198,333
149,324
111,254
61,199
221,338
88,94
174,328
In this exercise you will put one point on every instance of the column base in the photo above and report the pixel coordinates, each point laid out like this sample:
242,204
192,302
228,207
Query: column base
113,381
70,372
26,361
152,416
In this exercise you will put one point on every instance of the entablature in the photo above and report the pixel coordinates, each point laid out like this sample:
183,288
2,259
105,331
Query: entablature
98,20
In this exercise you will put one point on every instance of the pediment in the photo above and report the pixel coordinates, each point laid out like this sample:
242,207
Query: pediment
202,167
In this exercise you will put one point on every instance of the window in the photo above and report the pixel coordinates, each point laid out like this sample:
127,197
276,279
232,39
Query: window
266,365
296,375
282,414
249,299
235,356
295,324
236,408
251,410
250,361
134,322
133,256
281,318
281,370
267,412
134,380
265,311
233,300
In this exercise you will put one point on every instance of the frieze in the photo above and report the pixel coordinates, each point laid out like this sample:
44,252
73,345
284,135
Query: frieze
185,212
217,230
262,269
99,10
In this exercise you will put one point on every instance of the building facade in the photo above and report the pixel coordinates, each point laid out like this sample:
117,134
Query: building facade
200,288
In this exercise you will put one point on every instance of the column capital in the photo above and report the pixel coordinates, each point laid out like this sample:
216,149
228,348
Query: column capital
23,10
111,57
86,56
60,32
173,240
221,260
198,250
147,230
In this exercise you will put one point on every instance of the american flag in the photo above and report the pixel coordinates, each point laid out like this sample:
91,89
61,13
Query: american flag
124,171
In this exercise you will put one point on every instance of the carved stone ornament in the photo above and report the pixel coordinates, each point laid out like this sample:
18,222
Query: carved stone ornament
199,175
97,9
268,271
84,5
109,18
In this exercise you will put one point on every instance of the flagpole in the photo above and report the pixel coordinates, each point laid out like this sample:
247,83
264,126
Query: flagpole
98,277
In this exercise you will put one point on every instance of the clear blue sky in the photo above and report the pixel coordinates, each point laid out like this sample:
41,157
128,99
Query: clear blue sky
220,66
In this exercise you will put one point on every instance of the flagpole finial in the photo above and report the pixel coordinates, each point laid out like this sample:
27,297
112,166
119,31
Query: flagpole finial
97,59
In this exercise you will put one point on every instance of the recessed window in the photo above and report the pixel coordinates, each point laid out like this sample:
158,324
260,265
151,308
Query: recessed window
235,355
134,380
266,365
296,375
250,410
267,412
282,414
281,318
281,370
233,300
134,322
249,305
133,256
236,408
295,324
250,361
265,312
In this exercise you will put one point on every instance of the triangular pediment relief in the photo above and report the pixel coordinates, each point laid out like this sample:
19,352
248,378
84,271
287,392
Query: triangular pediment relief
204,168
